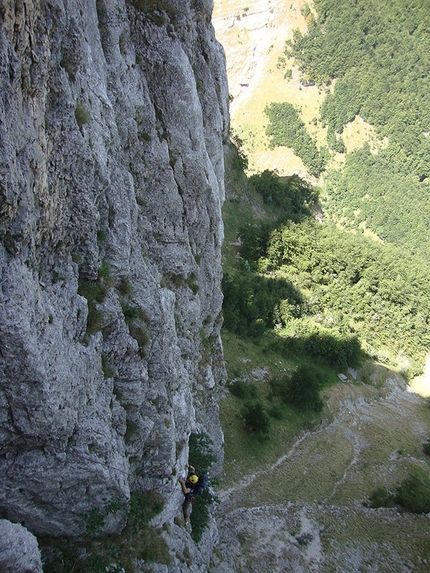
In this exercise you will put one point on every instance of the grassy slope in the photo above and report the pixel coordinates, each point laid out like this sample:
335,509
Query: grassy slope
369,434
315,474
371,430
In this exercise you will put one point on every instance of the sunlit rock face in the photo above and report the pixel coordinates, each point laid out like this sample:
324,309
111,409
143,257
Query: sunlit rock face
113,119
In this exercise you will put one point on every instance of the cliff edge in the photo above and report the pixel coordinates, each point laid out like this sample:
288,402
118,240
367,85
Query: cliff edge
113,119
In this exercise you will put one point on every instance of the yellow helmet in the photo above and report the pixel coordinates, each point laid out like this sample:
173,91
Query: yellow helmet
193,479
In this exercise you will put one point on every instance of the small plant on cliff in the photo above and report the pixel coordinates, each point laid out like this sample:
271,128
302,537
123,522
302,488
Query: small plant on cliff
154,10
143,506
201,452
136,320
95,292
116,552
82,115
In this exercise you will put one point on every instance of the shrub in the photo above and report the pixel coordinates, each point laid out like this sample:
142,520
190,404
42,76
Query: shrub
201,452
136,318
202,457
426,448
108,371
200,515
240,160
302,390
94,292
255,419
139,333
155,10
243,390
130,312
414,492
143,506
82,115
381,497
124,286
276,412
113,553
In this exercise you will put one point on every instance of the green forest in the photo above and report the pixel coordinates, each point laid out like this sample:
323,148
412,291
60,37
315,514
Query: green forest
327,287
325,292
329,294
373,60
286,128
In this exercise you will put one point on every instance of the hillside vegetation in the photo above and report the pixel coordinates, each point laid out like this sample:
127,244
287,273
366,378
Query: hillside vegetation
305,301
310,282
326,312
325,292
378,56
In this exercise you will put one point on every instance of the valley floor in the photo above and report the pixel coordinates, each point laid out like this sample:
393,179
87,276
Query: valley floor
308,511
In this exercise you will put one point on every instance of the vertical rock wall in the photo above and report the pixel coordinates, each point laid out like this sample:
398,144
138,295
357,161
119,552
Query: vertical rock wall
113,116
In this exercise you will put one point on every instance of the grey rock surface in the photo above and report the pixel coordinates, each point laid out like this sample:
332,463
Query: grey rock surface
19,551
113,120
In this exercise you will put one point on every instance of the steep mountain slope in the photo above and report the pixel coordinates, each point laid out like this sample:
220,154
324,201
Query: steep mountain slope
306,494
354,75
254,35
113,118
325,497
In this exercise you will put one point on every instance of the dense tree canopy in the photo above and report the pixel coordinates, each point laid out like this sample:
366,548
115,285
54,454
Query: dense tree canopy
330,294
379,55
286,128
369,191
354,285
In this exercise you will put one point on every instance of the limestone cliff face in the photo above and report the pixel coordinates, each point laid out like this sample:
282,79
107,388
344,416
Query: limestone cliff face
112,121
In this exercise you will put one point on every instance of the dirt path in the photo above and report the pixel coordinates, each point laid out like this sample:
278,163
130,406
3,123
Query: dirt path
305,511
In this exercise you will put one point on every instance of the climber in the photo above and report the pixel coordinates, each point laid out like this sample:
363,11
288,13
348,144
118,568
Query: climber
188,487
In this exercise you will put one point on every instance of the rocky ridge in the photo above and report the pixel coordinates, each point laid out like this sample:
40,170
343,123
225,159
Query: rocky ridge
113,120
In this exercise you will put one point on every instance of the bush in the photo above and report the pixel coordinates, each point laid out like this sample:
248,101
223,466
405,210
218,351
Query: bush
201,457
95,292
143,506
279,388
124,286
276,412
414,492
82,115
113,553
201,452
255,419
381,497
136,318
302,390
426,448
200,515
243,390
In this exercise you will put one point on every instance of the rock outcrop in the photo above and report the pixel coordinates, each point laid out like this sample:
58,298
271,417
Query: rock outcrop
18,549
113,118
